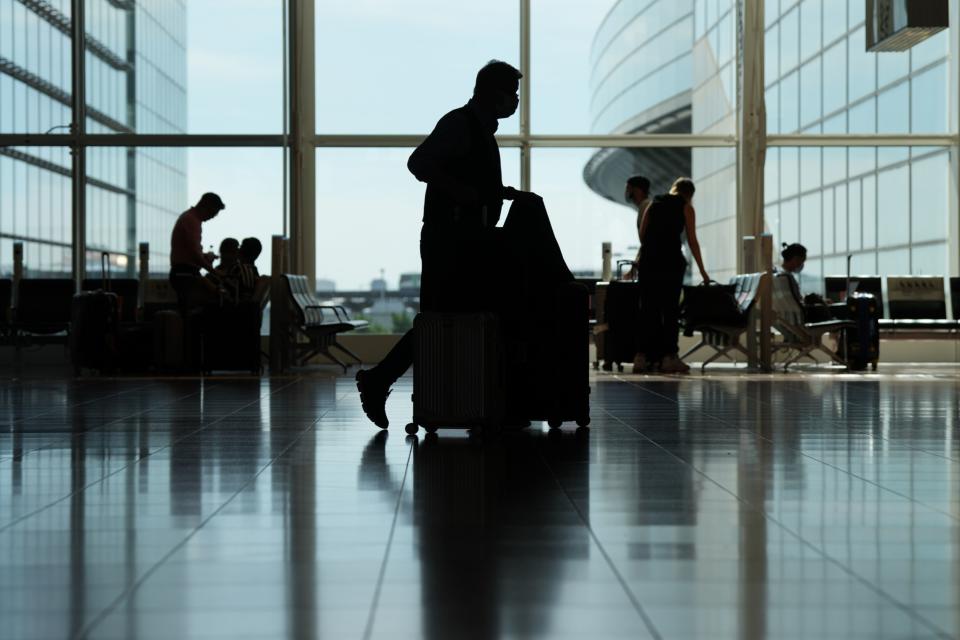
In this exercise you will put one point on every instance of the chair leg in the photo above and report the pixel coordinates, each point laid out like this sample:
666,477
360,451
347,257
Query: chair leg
701,344
325,352
717,354
347,351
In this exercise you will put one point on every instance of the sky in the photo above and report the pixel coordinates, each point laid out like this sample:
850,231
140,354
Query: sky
390,68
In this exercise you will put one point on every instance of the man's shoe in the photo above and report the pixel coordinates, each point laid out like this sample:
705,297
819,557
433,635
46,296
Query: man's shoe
373,398
640,364
673,364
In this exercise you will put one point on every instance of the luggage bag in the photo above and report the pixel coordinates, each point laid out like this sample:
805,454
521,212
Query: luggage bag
861,343
621,316
458,372
168,345
94,327
561,383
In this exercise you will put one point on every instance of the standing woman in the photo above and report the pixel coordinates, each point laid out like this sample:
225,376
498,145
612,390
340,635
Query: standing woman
661,268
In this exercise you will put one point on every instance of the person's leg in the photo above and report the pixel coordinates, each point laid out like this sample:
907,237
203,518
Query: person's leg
672,285
650,318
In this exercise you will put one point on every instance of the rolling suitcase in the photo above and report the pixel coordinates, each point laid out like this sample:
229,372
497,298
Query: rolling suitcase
168,346
621,315
458,373
94,327
861,342
561,383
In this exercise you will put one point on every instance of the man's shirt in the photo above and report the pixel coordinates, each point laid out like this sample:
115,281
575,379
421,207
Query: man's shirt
450,139
186,246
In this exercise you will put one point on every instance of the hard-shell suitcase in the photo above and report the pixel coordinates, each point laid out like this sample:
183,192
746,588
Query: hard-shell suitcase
94,327
861,343
458,372
561,382
168,346
621,315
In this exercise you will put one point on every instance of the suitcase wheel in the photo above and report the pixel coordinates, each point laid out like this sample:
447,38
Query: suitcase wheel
583,422
431,429
554,424
412,429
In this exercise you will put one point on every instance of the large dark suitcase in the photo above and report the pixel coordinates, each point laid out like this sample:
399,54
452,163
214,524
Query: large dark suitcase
458,372
231,337
561,381
94,327
621,319
860,344
168,341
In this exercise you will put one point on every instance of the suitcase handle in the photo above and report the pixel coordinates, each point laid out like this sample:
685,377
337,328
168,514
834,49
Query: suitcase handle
105,269
620,264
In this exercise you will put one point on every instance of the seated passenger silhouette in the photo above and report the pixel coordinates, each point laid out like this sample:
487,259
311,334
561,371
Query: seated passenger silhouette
186,250
460,164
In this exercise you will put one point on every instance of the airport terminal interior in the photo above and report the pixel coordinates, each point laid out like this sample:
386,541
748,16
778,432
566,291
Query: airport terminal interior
190,456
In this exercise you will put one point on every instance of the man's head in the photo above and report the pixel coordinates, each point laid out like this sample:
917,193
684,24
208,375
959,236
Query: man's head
794,256
683,187
209,206
497,87
250,250
638,190
229,252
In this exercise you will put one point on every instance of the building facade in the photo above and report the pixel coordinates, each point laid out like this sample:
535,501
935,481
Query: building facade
136,82
887,207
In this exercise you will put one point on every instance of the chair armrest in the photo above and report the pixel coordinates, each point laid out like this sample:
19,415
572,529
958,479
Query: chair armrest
336,310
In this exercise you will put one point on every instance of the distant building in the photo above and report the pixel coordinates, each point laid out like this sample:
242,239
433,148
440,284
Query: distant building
325,286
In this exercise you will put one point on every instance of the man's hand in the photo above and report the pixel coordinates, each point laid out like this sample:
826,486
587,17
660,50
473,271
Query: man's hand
509,193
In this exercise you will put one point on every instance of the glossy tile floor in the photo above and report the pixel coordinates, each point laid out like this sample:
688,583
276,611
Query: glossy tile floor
728,506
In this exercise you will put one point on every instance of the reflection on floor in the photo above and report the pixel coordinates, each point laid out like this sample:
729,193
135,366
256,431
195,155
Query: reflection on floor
786,506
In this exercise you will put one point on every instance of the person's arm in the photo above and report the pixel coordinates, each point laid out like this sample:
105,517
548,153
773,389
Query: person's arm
428,163
690,217
641,232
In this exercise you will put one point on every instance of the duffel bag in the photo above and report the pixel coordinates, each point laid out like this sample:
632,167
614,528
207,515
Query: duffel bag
711,304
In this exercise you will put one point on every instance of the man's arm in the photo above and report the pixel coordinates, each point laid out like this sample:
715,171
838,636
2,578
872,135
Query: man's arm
450,139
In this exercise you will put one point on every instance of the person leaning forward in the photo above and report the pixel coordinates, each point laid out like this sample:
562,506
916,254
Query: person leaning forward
460,163
186,249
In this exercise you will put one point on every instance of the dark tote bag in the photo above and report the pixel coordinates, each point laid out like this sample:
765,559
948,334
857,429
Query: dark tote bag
711,304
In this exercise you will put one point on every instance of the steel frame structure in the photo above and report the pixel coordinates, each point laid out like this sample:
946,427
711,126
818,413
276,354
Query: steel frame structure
300,140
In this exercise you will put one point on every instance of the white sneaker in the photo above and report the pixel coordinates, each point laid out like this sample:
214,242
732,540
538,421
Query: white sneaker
673,364
640,363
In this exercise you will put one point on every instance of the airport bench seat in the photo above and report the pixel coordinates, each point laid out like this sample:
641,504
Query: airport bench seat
724,339
317,323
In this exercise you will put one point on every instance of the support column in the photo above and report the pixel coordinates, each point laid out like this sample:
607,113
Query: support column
303,177
78,130
953,224
131,24
525,95
752,145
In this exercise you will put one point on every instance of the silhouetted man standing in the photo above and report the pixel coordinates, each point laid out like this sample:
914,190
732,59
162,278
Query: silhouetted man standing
186,249
460,163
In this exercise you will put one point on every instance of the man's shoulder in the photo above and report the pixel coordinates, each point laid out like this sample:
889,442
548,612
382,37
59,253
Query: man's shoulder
455,118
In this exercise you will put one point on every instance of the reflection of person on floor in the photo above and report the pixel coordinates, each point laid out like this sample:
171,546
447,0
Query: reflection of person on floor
460,164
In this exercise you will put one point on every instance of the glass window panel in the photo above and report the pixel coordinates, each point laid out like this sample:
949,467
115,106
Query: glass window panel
811,18
771,49
869,219
398,67
789,222
862,71
892,66
929,198
834,164
855,216
790,103
829,222
863,117
771,213
930,259
893,262
36,209
893,188
810,92
862,160
934,48
810,168
929,101
835,77
789,41
771,11
773,109
834,20
811,224
864,263
349,257
771,170
789,171
893,109
841,222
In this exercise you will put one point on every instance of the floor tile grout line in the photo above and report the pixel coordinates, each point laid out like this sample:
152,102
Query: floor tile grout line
135,461
803,541
99,428
803,453
371,617
634,600
131,589
907,447
79,404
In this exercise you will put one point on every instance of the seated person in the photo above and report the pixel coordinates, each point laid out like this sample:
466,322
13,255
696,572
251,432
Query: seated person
245,271
814,305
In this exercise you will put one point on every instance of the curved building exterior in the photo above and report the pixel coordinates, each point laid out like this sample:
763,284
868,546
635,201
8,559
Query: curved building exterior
668,66
665,66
